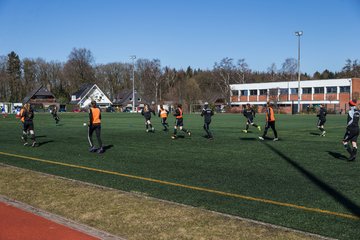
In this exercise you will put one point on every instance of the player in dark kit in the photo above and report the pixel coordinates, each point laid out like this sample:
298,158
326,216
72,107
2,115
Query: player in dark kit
95,126
26,117
249,113
322,119
207,113
163,114
179,123
54,113
146,112
352,130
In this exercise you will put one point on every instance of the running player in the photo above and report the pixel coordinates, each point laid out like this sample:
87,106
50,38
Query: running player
207,113
26,117
146,112
163,114
55,115
270,122
95,125
352,130
322,119
179,122
249,113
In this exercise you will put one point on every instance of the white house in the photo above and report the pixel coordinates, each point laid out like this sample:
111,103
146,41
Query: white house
88,93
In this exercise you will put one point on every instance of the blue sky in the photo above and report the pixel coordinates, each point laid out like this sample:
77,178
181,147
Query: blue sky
183,33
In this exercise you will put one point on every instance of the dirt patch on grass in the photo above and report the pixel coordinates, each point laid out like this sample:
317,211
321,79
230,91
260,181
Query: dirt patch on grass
129,215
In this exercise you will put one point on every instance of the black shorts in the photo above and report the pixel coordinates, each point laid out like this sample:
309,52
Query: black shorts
28,125
351,135
179,122
321,122
250,120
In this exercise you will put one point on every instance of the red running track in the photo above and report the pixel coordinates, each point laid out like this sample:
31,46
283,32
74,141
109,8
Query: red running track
17,224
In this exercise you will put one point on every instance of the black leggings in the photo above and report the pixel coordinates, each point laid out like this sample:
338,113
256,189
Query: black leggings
272,126
97,129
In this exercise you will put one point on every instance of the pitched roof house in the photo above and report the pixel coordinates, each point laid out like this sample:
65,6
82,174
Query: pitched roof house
124,99
41,96
87,93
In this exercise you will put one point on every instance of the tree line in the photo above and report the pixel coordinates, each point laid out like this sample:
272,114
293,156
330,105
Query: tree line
152,80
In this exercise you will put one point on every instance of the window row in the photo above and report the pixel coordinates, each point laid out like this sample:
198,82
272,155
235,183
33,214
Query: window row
284,91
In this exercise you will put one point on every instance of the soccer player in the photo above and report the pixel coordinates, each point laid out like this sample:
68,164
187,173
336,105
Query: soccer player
249,113
322,119
146,112
179,122
54,114
270,122
26,117
163,114
352,130
207,113
95,126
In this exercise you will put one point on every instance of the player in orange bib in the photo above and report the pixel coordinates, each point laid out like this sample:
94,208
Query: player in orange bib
270,122
163,114
179,123
95,126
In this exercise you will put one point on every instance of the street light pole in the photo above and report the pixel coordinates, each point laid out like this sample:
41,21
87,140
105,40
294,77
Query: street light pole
298,34
133,57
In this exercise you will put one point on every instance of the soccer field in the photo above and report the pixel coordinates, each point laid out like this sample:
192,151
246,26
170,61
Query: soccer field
302,181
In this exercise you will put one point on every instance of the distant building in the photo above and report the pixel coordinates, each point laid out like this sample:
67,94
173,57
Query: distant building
87,93
124,100
334,93
41,98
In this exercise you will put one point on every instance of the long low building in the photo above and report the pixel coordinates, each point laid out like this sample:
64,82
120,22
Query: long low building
334,93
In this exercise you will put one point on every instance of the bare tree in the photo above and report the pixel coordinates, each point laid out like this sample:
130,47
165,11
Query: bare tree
79,68
224,73
272,72
289,68
242,70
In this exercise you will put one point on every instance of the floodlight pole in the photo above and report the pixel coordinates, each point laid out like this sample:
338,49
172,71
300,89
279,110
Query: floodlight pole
298,34
133,57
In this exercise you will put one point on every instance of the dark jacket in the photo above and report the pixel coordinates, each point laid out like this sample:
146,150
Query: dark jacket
322,114
207,113
147,114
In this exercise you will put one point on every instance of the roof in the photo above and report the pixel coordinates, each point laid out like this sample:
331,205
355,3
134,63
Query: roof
84,89
123,97
39,91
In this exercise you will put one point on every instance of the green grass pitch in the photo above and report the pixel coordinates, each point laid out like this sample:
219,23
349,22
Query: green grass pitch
318,190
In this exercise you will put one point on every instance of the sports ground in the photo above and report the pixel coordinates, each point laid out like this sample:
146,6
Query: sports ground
303,181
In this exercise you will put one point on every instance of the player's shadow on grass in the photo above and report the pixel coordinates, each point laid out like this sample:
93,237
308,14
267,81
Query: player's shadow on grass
248,138
107,147
340,198
314,133
41,136
44,142
337,155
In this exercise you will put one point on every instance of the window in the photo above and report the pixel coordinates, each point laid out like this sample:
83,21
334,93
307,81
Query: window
345,89
235,92
244,92
293,90
253,92
263,92
318,90
331,89
284,91
306,90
